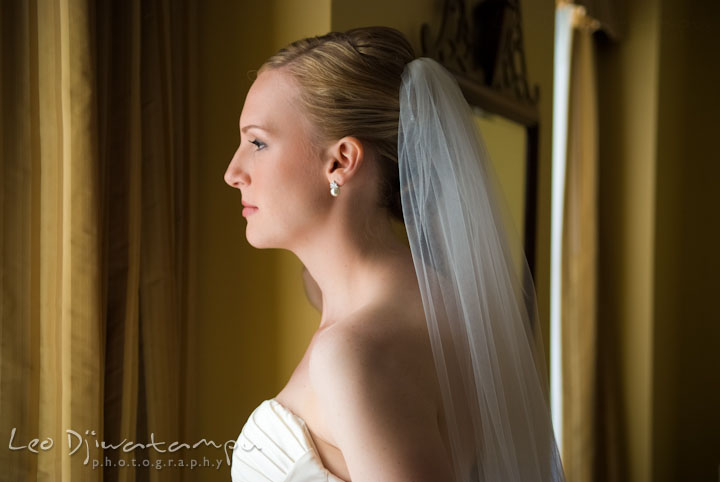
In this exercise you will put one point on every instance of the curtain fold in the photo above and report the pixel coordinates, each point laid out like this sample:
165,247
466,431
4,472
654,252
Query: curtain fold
164,227
590,449
118,37
95,145
579,263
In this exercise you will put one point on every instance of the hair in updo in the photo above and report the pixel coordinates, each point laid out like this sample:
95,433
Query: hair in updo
350,84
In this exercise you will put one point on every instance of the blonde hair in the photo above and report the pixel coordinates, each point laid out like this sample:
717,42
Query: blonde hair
350,82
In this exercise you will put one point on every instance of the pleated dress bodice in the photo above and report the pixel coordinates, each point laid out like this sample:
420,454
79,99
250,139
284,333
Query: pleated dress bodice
275,446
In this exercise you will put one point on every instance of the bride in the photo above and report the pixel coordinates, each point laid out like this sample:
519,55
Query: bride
423,365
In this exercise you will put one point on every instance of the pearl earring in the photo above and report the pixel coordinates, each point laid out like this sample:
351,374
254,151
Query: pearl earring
334,189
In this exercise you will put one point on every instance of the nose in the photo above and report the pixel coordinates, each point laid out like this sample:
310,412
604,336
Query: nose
235,175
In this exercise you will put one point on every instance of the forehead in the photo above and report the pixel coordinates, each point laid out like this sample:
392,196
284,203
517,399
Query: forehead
271,101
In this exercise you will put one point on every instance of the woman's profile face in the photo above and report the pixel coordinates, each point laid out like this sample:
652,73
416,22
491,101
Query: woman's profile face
275,168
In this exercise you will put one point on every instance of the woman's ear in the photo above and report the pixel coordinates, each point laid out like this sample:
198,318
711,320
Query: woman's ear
345,158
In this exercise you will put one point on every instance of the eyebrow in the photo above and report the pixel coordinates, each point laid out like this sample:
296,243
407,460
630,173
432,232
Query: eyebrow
249,126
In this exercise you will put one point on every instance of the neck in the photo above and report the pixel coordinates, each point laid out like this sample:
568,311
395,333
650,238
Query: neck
353,268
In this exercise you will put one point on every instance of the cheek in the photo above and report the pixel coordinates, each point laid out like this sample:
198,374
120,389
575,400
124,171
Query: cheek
304,183
304,195
292,182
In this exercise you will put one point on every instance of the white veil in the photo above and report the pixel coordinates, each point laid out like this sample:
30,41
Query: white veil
488,360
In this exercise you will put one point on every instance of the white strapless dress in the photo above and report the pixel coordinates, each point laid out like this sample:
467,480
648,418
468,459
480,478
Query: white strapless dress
275,446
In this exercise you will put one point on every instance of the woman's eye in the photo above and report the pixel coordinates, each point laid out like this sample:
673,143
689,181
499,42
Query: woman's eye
260,145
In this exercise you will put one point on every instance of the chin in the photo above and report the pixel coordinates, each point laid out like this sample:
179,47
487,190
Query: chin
255,243
259,242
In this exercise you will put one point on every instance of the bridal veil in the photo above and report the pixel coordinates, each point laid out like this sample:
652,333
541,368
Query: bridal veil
478,310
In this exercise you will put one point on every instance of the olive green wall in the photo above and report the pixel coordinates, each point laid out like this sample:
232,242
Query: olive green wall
404,15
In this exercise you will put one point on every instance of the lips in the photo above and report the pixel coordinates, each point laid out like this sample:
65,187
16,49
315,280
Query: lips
248,209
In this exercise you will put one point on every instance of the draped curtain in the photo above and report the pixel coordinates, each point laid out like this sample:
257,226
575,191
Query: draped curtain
579,313
590,448
96,143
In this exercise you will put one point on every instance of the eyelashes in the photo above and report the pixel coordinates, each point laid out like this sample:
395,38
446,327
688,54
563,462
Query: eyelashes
259,144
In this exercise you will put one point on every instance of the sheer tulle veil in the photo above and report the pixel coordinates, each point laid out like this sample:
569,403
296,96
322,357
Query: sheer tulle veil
488,358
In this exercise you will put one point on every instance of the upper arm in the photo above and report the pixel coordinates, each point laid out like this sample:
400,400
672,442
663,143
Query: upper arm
378,407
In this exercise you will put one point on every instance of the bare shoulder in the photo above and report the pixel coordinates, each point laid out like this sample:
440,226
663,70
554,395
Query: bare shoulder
374,380
384,343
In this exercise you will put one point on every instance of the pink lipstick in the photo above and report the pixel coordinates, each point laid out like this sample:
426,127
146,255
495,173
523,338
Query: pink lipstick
248,209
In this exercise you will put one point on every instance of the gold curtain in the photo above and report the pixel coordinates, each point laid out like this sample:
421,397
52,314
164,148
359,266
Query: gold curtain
95,145
590,417
579,261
